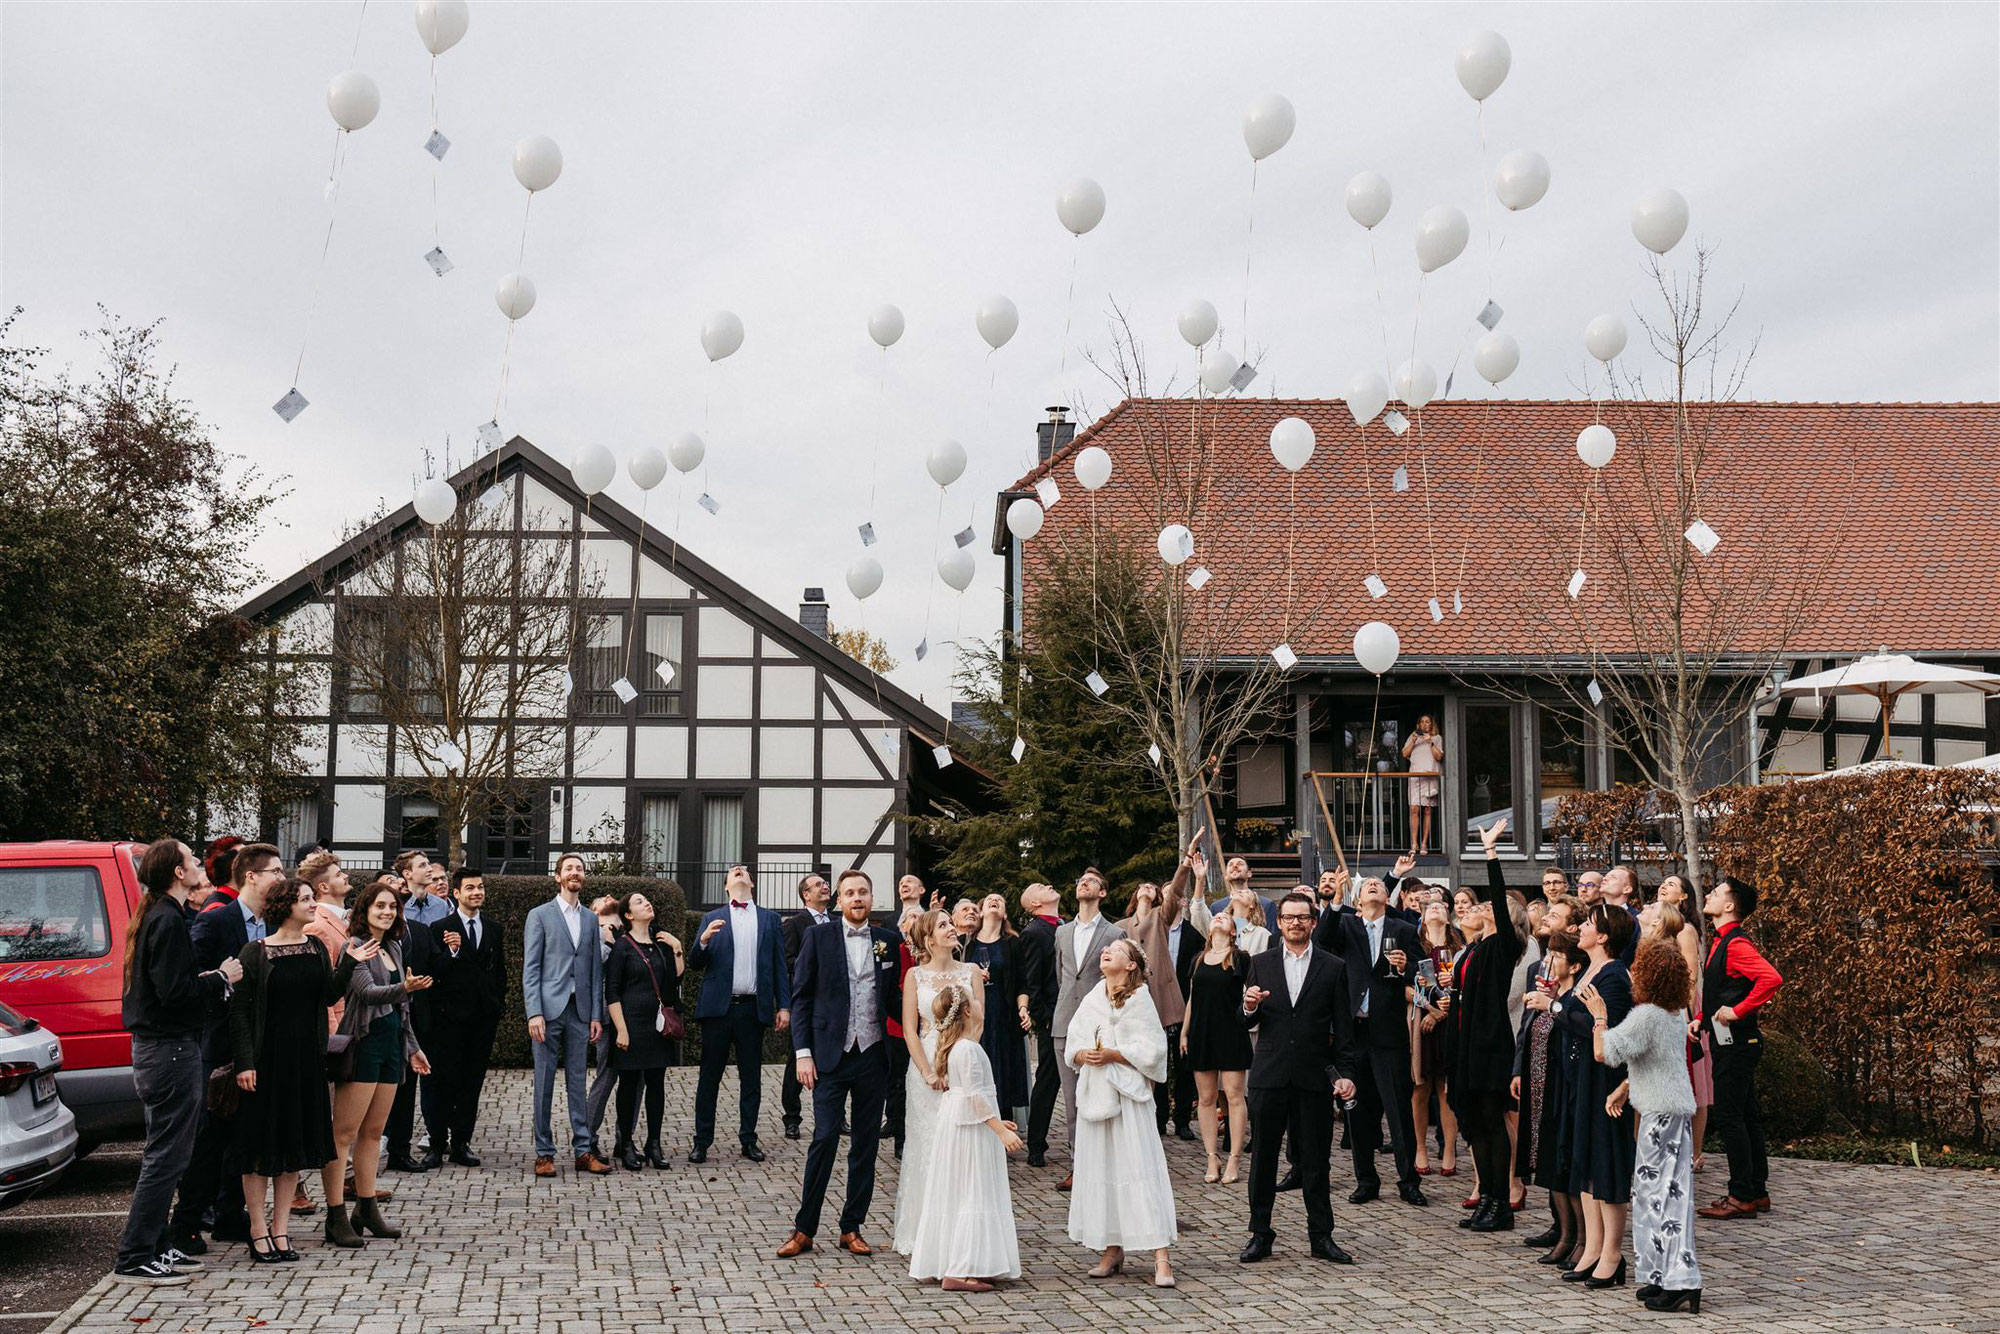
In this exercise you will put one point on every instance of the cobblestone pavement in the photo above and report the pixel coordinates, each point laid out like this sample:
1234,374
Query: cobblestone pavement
690,1249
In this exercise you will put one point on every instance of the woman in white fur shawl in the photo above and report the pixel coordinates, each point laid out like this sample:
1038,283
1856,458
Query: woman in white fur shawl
1121,1197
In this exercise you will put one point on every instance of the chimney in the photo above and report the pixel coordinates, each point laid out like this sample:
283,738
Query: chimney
1053,434
812,612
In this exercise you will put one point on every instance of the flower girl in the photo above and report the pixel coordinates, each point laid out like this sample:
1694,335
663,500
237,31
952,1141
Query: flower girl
965,1234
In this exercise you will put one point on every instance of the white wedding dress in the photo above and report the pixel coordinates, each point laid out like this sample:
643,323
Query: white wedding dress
921,1101
967,1226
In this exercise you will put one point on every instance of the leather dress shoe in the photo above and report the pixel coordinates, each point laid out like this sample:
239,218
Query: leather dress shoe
1365,1192
1066,1182
431,1161
591,1163
752,1152
1258,1249
698,1154
1186,1132
1290,1180
1323,1248
545,1166
796,1244
853,1244
1487,1204
791,1130
464,1158
1414,1195
1036,1158
402,1162
1728,1207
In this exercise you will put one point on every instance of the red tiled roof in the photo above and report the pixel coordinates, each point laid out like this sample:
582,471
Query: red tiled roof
1897,503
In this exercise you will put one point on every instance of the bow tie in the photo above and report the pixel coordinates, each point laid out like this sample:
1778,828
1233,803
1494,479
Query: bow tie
859,932
734,904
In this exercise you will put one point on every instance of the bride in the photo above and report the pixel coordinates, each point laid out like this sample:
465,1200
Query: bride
932,940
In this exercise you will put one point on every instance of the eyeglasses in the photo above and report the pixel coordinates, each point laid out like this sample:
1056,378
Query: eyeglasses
1295,917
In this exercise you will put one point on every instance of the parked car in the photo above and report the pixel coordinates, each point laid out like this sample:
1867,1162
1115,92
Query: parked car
63,910
37,1133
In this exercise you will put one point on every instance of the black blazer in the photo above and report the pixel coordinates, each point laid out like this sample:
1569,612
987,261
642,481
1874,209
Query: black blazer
1193,946
1342,931
471,988
794,931
218,932
820,995
1036,965
421,957
1482,1025
1308,1045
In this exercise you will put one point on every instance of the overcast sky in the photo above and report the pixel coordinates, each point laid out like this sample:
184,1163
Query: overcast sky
801,164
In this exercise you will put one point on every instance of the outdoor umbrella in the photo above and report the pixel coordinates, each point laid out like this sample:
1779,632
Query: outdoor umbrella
1886,677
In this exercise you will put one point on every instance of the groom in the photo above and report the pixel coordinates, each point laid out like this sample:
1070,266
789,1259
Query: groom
843,992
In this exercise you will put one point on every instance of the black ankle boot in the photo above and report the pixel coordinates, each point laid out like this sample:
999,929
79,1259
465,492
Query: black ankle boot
628,1157
655,1157
1477,1219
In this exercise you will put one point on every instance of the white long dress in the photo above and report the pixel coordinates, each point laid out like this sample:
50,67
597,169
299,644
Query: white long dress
1121,1195
920,1100
967,1226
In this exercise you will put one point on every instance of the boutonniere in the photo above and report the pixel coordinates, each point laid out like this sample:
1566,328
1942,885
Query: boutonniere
881,949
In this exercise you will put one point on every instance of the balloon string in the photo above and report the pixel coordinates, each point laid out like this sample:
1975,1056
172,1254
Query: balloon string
437,165
1416,322
1291,538
326,245
674,543
359,23
632,621
1478,471
1374,716
1368,485
1381,307
1486,195
1069,315
875,442
930,585
521,257
1249,245
1095,603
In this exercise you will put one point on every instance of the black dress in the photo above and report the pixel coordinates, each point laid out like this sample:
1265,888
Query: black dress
628,984
1005,1044
286,1125
1216,1035
1555,1135
1603,1149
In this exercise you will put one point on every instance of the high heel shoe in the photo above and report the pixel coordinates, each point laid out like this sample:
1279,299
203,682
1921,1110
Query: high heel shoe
1214,1171
1617,1279
1669,1300
1646,1292
1234,1172
1581,1272
283,1245
1559,1254
1545,1238
264,1252
1106,1268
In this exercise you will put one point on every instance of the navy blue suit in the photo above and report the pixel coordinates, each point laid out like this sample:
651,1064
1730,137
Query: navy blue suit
822,1007
731,1021
217,932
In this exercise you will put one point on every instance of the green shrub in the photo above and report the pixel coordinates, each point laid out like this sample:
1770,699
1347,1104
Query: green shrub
1793,1089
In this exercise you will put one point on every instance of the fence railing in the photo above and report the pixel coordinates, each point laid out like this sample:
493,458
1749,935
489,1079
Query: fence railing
1370,813
705,883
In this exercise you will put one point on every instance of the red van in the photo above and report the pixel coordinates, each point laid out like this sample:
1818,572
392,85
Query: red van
63,910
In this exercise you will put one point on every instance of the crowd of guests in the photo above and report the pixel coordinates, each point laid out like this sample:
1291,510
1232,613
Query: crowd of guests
1576,1043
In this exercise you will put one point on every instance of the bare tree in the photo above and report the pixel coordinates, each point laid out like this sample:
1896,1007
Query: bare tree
1672,646
461,638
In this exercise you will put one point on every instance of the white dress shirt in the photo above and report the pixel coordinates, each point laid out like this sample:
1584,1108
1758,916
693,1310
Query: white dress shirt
573,918
1296,966
743,933
1084,934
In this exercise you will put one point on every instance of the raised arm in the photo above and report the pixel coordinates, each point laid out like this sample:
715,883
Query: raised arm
1496,889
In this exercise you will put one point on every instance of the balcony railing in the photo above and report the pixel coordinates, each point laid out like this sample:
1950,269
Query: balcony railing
705,883
1371,812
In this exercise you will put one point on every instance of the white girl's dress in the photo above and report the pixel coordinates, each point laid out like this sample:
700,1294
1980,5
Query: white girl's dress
1121,1195
966,1228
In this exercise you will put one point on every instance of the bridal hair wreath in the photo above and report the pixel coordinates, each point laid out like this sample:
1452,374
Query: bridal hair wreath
949,1009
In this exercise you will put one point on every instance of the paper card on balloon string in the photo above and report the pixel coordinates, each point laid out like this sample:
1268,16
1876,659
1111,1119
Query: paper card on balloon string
451,756
1489,315
1284,657
1098,685
1437,611
1400,479
1198,577
709,503
665,671
942,754
1185,545
1020,749
326,190
623,689
1153,752
493,497
291,405
1449,377
1596,692
1244,375
435,257
437,145
1703,538
489,435
1575,584
569,685
965,537
1457,603
867,534
1376,588
1395,421
923,648
1048,492
890,744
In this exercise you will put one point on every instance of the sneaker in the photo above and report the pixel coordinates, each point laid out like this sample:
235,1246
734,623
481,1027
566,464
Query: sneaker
179,1260
153,1274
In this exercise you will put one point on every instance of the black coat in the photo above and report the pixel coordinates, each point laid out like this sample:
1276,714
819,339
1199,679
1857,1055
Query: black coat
1481,1024
1342,931
1036,964
1308,1045
1192,948
471,987
217,933
794,931
421,953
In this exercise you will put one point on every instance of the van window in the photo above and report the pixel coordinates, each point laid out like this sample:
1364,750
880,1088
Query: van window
52,912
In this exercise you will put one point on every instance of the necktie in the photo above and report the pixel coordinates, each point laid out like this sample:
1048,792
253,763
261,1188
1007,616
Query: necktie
1374,952
472,930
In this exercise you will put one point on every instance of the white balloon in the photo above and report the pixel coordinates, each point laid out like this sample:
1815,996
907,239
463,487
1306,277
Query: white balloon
1596,445
592,469
1176,543
1604,337
1377,646
1368,198
1268,125
864,577
436,501
885,325
1292,444
946,462
537,162
1220,370
1441,234
1483,62
440,23
648,467
686,452
721,334
352,99
1081,205
1024,518
1093,467
1521,179
955,567
1416,384
1495,356
1660,219
1198,322
1367,395
996,319
515,295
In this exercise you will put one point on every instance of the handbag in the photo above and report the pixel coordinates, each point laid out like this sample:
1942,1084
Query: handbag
223,1096
666,1022
340,1058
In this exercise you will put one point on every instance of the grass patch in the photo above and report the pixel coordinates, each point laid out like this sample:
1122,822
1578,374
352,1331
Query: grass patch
1852,1148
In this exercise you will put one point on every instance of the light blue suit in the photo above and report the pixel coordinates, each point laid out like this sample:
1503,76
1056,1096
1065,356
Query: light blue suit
562,983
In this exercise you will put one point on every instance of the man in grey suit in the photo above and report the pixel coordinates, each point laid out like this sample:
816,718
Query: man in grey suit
1078,943
562,987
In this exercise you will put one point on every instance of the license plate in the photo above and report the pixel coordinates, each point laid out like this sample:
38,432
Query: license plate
44,1089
